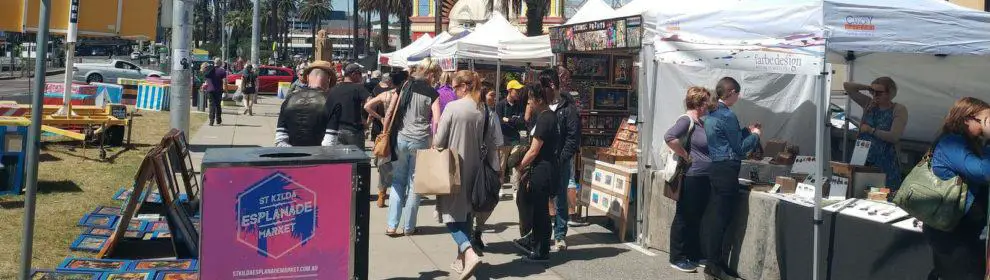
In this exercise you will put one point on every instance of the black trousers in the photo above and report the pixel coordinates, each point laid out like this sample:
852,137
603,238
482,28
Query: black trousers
525,210
725,195
216,112
685,231
351,137
959,254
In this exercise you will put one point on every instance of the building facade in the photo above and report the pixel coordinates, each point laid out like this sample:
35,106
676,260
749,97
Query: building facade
423,16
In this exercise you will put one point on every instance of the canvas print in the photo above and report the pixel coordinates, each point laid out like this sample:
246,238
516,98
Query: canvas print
122,194
162,234
72,263
98,221
136,225
622,70
588,67
46,274
147,275
91,243
156,227
177,275
610,99
107,210
165,265
97,231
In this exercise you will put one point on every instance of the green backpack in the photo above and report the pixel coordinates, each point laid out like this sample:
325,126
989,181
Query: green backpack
938,203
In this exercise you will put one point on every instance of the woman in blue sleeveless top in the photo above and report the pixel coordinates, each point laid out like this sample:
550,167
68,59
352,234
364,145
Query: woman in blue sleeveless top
882,125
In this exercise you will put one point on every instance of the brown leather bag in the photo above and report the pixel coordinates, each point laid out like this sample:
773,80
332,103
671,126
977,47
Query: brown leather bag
382,146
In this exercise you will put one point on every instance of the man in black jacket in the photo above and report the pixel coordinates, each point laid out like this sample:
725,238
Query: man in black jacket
569,128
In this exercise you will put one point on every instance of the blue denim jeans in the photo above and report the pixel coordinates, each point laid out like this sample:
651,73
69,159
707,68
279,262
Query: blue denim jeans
460,232
403,201
560,201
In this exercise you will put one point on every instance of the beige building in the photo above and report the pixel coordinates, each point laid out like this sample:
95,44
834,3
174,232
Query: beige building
423,15
972,4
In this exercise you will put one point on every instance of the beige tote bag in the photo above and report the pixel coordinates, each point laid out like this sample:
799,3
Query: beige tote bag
437,172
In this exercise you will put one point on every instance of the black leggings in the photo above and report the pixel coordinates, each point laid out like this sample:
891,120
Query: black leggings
959,254
685,231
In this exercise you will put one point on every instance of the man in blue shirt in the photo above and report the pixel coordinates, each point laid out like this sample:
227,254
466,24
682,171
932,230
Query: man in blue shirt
727,146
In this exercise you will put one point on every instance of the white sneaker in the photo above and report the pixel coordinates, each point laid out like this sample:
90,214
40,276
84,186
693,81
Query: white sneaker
560,246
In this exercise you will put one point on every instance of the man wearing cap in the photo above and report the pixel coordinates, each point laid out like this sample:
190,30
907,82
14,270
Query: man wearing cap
511,111
350,96
304,117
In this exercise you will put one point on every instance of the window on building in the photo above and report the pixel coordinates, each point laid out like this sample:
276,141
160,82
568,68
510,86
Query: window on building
424,7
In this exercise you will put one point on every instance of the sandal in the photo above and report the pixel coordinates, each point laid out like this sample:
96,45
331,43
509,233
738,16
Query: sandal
410,232
457,266
391,232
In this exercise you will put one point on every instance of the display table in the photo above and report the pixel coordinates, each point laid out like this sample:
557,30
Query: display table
610,188
772,239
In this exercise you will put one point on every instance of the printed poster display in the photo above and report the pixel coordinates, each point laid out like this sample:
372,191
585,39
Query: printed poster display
860,152
277,223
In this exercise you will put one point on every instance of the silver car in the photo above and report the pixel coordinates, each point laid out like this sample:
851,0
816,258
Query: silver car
110,72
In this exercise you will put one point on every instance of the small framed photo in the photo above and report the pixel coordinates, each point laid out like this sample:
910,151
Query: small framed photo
162,234
156,227
107,210
98,221
588,66
177,275
86,264
137,225
122,194
622,70
97,231
89,243
133,234
46,274
610,99
129,275
153,198
143,265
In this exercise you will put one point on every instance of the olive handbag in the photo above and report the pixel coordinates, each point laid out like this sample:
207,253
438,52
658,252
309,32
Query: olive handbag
937,203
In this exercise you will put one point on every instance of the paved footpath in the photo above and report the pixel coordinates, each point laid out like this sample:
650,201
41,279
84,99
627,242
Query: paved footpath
594,252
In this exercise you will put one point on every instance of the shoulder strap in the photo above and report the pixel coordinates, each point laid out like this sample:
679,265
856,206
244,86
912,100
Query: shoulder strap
690,132
484,135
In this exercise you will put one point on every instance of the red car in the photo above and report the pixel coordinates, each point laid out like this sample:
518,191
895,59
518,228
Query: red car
268,78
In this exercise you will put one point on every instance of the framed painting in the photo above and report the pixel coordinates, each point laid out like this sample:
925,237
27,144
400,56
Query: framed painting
88,243
177,275
48,274
622,70
86,264
588,66
610,99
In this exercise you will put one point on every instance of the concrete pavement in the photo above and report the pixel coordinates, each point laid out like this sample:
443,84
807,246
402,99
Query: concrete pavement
594,251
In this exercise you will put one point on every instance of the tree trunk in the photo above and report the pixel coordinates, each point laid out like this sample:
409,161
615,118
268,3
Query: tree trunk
534,19
405,25
383,34
367,31
312,27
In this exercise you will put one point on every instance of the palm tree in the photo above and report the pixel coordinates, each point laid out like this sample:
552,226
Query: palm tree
400,8
535,11
515,5
315,11
273,15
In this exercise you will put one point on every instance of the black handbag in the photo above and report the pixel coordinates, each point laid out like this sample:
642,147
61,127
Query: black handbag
484,191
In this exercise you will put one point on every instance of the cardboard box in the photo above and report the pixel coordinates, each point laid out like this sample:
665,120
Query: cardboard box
774,147
761,172
787,184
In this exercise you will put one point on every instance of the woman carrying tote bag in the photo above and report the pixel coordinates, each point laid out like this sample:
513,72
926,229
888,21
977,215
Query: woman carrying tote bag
461,129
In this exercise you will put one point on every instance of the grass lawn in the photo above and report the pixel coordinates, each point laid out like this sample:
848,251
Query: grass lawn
71,182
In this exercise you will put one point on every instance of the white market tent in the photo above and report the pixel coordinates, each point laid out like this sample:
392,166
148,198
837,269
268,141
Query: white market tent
418,56
482,44
935,51
534,49
592,10
399,57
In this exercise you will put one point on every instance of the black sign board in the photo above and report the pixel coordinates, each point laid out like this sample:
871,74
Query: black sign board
616,33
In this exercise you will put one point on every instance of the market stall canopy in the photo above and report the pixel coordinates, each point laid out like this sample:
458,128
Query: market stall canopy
398,58
482,44
592,10
789,37
424,53
466,13
534,49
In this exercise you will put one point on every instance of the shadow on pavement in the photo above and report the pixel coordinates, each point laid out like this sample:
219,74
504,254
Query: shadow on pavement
436,274
519,269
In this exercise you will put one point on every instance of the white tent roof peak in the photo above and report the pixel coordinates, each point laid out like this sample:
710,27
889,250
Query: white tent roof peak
592,10
496,29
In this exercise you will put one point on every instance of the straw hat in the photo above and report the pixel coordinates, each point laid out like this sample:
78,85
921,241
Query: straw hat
326,66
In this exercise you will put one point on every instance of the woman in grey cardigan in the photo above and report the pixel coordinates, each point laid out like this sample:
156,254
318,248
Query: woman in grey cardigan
461,129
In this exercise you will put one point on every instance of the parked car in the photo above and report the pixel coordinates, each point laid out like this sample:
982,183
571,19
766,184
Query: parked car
268,77
109,72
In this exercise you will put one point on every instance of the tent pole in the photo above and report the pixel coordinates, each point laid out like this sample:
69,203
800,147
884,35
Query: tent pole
34,137
850,61
820,164
498,77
